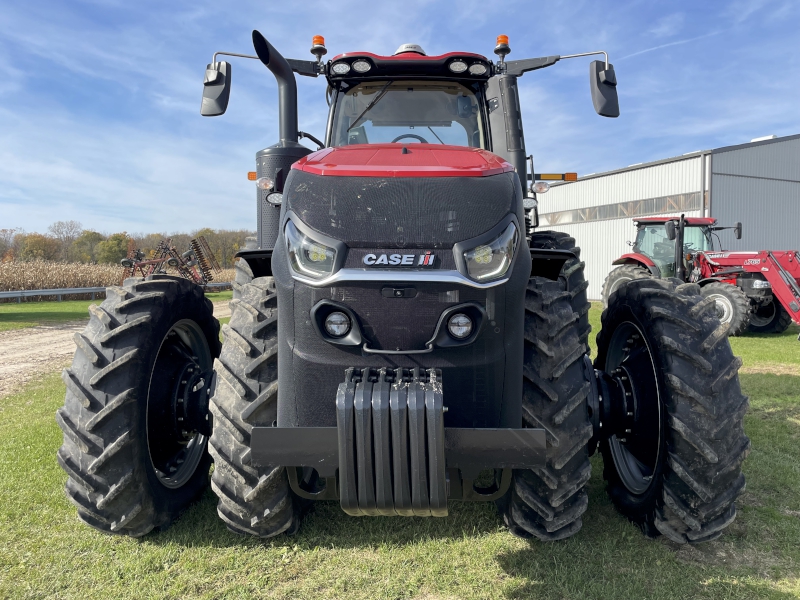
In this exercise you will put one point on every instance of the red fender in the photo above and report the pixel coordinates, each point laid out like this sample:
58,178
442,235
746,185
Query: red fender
638,259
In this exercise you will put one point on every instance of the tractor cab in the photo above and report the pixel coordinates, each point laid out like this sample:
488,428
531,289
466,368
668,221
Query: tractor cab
653,240
408,98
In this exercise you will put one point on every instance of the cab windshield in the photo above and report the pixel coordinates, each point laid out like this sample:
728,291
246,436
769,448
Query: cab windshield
652,241
432,112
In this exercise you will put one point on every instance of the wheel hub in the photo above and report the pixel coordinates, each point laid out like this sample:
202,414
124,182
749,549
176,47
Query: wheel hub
190,402
178,424
625,408
723,307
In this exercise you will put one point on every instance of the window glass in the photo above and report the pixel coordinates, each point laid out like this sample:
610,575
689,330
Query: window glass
652,241
696,239
434,112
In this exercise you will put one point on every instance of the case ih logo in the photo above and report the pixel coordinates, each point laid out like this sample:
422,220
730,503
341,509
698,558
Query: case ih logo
400,260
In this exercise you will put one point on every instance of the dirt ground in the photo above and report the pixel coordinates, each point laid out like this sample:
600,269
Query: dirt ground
26,353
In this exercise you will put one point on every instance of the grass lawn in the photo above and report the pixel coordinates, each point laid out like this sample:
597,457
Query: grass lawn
46,552
30,314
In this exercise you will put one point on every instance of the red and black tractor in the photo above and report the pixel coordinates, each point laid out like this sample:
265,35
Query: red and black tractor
755,291
403,339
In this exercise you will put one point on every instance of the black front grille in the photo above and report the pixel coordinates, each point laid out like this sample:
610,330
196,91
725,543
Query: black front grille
407,212
404,323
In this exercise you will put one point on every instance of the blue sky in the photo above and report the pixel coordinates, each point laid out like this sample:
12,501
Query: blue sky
99,99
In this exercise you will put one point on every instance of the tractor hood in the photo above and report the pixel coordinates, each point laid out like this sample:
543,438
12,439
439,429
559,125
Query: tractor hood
398,160
378,196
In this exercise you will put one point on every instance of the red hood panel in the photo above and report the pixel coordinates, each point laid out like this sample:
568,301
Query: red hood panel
388,160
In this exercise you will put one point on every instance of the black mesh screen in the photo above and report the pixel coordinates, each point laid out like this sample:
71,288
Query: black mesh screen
269,162
407,212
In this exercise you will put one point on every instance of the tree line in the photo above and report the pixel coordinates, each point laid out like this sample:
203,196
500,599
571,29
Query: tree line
68,241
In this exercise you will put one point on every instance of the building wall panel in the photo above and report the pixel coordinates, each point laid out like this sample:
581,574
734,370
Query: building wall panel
776,160
768,209
677,177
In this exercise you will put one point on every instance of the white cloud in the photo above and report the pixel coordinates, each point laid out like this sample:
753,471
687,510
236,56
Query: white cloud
668,26
100,119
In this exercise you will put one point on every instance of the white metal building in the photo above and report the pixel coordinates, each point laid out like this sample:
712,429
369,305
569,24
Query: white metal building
757,183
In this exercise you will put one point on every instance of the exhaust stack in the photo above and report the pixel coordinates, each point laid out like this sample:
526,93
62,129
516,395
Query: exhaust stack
287,88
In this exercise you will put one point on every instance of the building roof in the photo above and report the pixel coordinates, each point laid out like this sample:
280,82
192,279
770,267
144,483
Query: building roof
687,156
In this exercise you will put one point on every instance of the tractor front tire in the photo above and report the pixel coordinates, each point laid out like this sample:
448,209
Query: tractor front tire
772,318
676,468
732,306
136,403
620,276
548,502
572,276
242,275
252,500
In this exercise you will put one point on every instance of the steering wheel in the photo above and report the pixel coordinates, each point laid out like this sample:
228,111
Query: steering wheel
411,135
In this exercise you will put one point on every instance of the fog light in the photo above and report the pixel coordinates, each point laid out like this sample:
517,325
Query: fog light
540,187
337,324
459,326
458,66
361,66
341,68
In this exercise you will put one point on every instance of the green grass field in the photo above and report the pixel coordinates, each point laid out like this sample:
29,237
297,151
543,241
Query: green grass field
30,314
45,552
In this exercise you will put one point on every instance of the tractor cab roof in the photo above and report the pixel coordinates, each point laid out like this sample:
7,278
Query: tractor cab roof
360,66
690,221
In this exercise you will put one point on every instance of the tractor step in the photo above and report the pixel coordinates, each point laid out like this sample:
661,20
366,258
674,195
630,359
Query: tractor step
390,453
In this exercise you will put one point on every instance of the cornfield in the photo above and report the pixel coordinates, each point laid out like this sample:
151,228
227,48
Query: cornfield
43,275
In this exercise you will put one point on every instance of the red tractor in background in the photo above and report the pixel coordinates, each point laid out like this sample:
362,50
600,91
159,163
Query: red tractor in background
759,291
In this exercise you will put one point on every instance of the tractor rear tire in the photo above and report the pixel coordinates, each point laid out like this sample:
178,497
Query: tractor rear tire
252,500
548,502
685,484
621,275
131,468
732,306
572,276
772,318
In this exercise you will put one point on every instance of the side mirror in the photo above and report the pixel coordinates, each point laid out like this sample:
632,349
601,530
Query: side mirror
216,89
669,226
737,231
604,89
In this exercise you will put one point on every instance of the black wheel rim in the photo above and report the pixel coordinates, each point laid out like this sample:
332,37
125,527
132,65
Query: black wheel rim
178,424
636,447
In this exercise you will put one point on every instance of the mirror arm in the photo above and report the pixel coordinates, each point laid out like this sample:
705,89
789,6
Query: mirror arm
518,67
308,68
603,52
214,59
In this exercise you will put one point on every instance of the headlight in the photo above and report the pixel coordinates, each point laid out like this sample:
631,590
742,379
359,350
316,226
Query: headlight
361,66
308,257
341,68
491,261
477,69
458,66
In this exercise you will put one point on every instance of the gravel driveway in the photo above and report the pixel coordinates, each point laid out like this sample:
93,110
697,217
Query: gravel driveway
26,353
